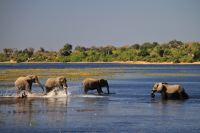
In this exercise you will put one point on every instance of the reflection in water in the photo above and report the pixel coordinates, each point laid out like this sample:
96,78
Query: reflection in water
171,107
33,111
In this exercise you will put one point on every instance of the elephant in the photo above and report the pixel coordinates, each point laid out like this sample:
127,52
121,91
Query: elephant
60,82
25,83
92,84
169,91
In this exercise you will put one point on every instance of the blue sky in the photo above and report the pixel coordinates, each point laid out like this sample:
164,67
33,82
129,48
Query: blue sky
52,23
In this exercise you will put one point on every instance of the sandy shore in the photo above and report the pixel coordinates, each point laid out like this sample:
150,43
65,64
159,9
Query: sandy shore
114,62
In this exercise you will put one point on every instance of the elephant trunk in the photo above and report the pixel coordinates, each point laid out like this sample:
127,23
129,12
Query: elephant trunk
108,89
65,87
152,94
40,85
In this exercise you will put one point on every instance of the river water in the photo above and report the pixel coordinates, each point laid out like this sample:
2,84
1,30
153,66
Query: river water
129,107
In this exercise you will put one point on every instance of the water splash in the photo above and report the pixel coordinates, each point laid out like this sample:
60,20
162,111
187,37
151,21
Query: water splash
57,93
54,93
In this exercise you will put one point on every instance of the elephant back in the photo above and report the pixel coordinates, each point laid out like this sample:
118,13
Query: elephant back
51,82
21,80
91,83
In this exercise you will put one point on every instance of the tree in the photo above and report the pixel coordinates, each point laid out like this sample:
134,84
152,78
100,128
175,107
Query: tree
175,44
135,46
173,51
105,50
159,51
77,56
2,57
8,52
80,49
143,53
29,51
66,50
22,57
123,48
195,49
42,50
167,52
148,45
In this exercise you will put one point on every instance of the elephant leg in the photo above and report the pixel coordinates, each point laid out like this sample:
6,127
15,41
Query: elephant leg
56,92
28,88
21,94
60,88
24,94
85,91
99,90
66,91
164,96
18,92
86,87
48,89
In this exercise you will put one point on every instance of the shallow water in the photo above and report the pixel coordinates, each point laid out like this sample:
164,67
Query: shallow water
128,109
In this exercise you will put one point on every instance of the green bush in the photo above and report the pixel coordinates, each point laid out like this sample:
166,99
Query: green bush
22,57
173,51
3,58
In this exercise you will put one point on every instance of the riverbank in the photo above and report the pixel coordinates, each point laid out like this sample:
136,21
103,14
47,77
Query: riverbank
114,62
145,62
70,73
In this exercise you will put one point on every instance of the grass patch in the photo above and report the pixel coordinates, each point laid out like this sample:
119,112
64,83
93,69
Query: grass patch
71,73
169,74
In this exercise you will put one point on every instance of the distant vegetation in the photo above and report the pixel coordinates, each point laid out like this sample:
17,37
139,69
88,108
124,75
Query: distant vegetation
173,51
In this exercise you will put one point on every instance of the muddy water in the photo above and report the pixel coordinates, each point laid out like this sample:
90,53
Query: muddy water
128,109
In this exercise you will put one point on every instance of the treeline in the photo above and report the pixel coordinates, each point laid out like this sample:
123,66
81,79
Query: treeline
173,51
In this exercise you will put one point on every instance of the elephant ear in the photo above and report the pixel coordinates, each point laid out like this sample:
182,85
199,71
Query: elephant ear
33,77
28,79
61,79
156,86
159,87
29,76
58,81
102,82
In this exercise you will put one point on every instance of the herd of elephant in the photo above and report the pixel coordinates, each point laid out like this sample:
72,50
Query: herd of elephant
24,84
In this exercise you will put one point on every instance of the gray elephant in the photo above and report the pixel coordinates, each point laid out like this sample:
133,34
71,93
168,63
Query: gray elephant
92,84
169,91
25,83
60,82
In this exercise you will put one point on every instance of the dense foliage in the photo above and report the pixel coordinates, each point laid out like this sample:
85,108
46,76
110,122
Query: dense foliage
173,51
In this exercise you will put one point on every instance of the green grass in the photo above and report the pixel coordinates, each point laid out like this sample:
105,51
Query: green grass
169,74
72,74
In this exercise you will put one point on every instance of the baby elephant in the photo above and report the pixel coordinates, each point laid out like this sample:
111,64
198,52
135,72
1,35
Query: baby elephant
92,84
25,83
60,82
169,91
